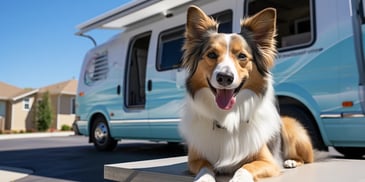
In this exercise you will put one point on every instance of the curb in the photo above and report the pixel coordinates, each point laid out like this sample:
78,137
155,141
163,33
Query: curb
35,135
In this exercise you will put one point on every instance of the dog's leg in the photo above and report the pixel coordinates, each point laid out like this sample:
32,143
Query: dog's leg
200,167
297,144
263,165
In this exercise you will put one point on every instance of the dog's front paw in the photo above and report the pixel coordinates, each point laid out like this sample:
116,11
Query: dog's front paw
242,175
290,164
205,175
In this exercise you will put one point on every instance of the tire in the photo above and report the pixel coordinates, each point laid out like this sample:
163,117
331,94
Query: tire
307,122
100,135
173,145
75,129
351,152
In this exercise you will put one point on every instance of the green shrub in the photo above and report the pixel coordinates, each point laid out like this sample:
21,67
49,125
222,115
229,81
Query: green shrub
66,127
44,113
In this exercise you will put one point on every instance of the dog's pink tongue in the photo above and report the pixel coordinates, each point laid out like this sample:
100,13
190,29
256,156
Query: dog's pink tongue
225,99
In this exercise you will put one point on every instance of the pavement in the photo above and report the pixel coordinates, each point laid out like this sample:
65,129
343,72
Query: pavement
334,168
11,173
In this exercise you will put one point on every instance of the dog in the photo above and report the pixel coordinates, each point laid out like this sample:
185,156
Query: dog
230,122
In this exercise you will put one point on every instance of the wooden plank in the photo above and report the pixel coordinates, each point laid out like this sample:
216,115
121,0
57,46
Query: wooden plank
162,170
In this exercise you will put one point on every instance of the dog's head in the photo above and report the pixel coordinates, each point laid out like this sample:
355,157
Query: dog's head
228,63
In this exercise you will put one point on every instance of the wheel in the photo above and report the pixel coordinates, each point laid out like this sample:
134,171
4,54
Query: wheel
100,135
351,152
307,122
173,144
75,129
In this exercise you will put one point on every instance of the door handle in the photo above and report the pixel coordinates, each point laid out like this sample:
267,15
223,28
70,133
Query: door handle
149,85
118,89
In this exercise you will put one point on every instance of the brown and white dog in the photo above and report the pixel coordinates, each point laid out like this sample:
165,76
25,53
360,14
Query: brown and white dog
231,123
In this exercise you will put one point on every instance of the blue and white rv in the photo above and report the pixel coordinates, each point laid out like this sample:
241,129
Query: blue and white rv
132,87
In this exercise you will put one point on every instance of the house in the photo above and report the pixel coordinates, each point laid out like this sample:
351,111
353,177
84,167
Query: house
62,96
18,106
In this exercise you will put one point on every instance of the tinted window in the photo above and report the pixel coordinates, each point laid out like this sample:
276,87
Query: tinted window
225,21
171,41
294,20
169,55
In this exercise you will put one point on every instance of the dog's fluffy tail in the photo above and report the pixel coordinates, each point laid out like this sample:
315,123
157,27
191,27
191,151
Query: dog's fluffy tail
297,146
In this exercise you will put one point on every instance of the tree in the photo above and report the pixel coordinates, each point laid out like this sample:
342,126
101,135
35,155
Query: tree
44,113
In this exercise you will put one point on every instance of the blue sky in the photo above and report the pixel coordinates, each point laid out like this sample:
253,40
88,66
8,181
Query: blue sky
37,42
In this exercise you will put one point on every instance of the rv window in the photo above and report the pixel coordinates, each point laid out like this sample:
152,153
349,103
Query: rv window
225,21
171,41
169,54
135,78
97,68
294,21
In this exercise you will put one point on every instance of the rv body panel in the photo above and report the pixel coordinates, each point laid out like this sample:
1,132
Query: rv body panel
141,97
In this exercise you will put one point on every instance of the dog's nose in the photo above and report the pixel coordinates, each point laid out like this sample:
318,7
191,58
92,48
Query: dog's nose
225,78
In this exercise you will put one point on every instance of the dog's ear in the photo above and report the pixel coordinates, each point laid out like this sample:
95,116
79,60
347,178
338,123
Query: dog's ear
263,27
198,24
198,28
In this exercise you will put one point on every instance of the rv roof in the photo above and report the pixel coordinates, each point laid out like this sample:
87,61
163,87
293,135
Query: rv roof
127,14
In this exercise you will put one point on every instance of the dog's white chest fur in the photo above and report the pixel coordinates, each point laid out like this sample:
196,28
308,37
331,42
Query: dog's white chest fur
240,132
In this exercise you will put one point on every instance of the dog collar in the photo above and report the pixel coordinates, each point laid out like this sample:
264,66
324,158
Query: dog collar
218,126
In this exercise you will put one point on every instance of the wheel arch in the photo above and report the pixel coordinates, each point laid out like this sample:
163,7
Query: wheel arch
286,100
92,120
293,94
289,101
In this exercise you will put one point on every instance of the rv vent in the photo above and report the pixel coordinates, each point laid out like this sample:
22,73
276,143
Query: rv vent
97,69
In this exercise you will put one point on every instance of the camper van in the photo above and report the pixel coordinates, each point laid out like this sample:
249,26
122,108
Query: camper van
132,86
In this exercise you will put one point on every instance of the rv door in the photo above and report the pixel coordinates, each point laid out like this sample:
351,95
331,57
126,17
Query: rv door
164,99
363,9
358,20
362,60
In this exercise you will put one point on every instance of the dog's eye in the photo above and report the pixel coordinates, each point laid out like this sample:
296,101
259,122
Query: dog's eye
242,56
212,55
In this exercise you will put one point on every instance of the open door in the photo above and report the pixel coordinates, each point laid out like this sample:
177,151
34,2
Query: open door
135,118
358,19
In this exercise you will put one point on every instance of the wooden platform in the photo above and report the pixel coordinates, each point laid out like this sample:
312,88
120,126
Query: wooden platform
162,170
335,168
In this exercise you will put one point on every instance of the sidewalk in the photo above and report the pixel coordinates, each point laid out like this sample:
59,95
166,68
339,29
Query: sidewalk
35,135
12,174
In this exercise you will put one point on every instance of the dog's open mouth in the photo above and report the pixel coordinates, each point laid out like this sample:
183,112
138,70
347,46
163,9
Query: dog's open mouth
225,98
